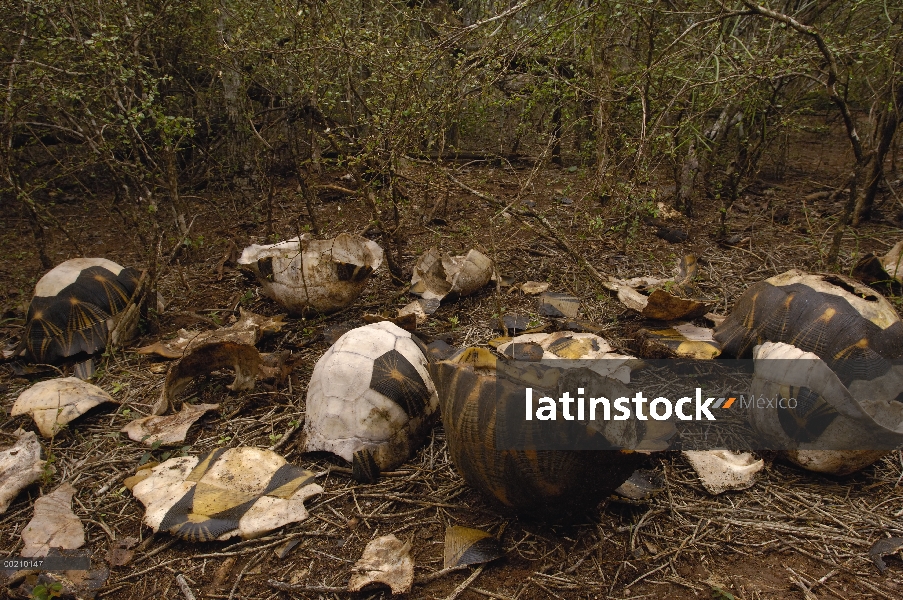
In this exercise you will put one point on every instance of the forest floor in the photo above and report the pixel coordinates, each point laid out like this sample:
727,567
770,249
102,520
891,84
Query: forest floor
793,535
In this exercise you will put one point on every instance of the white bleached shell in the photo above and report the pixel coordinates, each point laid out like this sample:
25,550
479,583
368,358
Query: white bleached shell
723,470
20,466
371,390
838,430
235,491
437,276
56,402
573,345
323,275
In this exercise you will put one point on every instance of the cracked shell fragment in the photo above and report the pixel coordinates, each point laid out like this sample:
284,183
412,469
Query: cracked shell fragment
55,402
371,391
54,524
438,276
20,466
385,560
658,304
323,275
235,491
571,345
168,430
466,546
684,340
723,470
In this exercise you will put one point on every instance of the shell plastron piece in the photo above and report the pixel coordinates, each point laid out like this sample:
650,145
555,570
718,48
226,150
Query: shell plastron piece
509,460
303,274
371,391
76,306
231,491
827,428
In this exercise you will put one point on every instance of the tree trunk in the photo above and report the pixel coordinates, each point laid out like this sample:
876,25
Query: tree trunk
231,78
688,172
556,135
37,230
874,168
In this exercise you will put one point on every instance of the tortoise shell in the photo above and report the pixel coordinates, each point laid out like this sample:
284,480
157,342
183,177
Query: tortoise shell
74,308
854,330
371,391
477,401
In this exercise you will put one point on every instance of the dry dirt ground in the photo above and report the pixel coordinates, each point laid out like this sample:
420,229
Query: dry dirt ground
793,535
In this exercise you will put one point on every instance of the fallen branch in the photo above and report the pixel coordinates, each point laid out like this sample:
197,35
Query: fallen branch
325,589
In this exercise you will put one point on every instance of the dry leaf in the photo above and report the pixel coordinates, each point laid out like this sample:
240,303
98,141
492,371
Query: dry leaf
120,552
533,287
55,402
882,548
385,560
223,574
169,430
54,524
20,466
893,262
210,356
641,486
250,328
556,305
